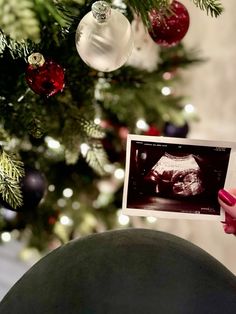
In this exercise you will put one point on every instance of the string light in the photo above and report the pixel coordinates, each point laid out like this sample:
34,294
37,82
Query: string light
52,143
189,108
151,219
75,205
142,125
166,91
122,219
84,149
51,188
66,221
6,236
97,121
61,202
167,76
119,174
67,192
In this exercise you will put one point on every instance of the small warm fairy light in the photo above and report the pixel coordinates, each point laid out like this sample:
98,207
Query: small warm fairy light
67,192
75,205
61,202
52,143
84,149
151,219
119,174
66,221
6,236
142,124
189,108
123,220
167,76
166,91
97,121
51,188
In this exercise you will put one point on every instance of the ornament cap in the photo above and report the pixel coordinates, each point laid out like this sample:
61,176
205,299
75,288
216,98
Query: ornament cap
36,59
101,11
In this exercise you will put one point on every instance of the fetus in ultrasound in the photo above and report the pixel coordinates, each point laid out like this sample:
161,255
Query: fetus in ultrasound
176,176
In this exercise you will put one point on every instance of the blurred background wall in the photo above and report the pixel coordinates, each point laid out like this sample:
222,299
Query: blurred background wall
211,87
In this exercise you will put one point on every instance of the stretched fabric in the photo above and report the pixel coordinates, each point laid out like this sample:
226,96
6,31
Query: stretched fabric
132,271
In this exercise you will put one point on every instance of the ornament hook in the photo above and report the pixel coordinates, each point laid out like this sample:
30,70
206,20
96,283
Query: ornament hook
101,11
36,59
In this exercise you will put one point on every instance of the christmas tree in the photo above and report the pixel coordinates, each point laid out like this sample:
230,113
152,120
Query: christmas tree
68,101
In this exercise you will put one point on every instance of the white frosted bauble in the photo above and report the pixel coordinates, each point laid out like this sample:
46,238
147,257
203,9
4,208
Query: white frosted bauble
145,54
104,38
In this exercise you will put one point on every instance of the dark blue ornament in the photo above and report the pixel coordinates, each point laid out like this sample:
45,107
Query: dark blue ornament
173,130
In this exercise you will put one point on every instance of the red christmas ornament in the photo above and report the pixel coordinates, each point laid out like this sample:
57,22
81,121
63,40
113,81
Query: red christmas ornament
168,29
152,131
44,77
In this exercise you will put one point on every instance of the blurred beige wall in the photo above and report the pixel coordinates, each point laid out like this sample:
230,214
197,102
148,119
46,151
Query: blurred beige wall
211,87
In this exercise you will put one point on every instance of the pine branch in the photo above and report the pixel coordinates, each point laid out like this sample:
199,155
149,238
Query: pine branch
49,7
17,49
11,170
97,158
12,167
142,8
10,191
214,7
90,128
18,20
2,42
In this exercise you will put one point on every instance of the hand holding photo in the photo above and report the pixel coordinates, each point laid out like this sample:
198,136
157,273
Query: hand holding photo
177,178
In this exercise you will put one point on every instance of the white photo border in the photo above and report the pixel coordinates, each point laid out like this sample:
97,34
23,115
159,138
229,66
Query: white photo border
230,180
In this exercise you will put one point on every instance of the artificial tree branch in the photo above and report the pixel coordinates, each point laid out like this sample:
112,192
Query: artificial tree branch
214,7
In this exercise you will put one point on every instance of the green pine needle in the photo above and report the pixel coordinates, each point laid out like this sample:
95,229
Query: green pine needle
97,158
10,191
17,49
91,129
142,8
11,170
214,7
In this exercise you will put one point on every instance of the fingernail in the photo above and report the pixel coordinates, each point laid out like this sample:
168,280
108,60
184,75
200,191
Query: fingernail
227,198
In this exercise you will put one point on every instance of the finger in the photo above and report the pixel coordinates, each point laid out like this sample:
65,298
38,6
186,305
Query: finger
229,224
228,202
230,229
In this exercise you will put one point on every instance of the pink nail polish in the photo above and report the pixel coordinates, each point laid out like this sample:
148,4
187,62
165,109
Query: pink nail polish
227,198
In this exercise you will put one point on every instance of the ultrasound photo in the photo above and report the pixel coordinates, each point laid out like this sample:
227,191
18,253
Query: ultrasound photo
170,177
